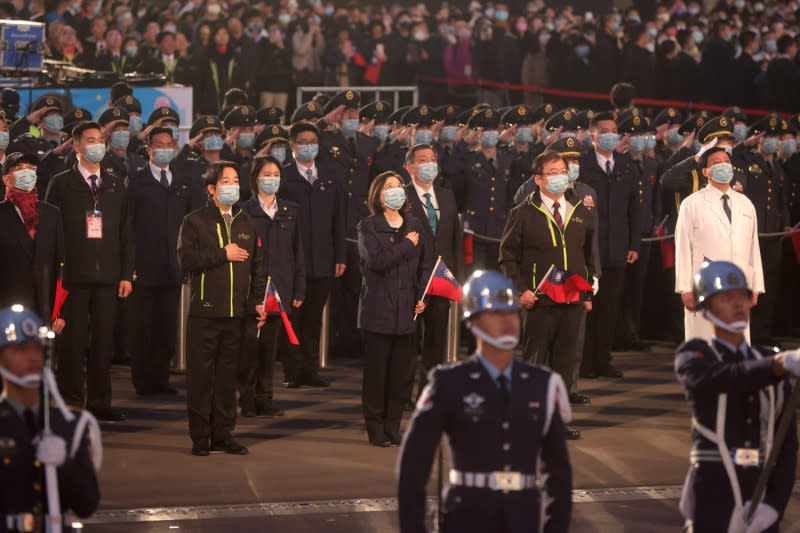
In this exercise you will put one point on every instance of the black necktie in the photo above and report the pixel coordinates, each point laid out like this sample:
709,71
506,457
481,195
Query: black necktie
164,181
30,422
608,167
726,207
502,383
557,215
352,142
491,165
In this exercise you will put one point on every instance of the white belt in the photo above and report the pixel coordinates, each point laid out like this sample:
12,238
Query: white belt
20,522
744,457
493,480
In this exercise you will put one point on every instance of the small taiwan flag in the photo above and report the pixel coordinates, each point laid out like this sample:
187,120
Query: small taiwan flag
443,283
273,304
562,286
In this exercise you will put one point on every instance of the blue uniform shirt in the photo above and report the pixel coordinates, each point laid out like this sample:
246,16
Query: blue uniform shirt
494,373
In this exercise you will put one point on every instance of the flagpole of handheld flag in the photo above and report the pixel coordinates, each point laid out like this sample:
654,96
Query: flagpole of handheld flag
430,279
264,304
543,279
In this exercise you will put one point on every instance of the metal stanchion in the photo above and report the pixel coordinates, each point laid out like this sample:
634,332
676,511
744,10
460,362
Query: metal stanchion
324,343
179,362
453,332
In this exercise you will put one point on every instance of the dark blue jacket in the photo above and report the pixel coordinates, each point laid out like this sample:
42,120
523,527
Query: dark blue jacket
321,213
485,192
395,274
618,208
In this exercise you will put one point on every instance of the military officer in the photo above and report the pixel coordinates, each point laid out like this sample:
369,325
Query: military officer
446,129
268,116
57,159
44,123
667,122
736,395
25,451
115,122
240,126
374,120
135,121
505,425
273,141
310,112
519,121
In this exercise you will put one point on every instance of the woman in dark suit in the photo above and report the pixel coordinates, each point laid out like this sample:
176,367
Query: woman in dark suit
276,222
395,264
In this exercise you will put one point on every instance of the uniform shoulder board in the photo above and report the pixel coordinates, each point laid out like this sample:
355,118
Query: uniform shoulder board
693,345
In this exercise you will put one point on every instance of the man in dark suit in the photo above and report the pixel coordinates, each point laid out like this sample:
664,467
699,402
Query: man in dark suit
717,65
98,269
176,68
783,76
745,71
604,58
31,243
638,64
686,77
436,205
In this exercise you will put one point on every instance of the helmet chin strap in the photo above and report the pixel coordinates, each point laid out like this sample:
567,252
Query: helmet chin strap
734,327
503,342
31,381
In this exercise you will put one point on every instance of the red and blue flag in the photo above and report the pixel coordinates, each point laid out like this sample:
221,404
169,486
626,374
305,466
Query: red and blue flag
562,286
443,283
273,304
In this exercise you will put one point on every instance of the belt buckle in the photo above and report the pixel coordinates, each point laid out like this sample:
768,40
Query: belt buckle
505,481
746,456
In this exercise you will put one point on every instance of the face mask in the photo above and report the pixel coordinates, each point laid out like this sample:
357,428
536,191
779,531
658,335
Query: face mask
255,27
557,184
269,185
95,152
380,132
740,4
131,51
573,172
649,143
501,16
448,133
582,50
279,153
734,327
607,141
136,124
284,18
350,126
673,137
213,143
419,36
307,152
120,139
522,27
740,132
771,45
31,381
489,12
4,140
53,123
696,145
25,179
635,19
788,147
769,145
728,149
693,11
427,172
636,144
214,9
523,135
503,342
246,140
722,172
463,34
423,136
698,37
489,138
228,194
394,198
329,11
652,32
174,132
163,156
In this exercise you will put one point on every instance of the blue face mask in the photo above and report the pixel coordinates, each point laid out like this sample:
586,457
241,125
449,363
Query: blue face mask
523,135
448,134
25,179
131,51
772,46
740,132
4,140
636,144
380,132
228,194
95,152
279,153
350,126
770,145
489,138
573,171
722,172
582,50
269,185
136,124
649,143
673,137
423,136
698,37
53,123
501,15
213,143
307,152
557,184
427,172
788,147
163,156
120,139
329,11
246,140
607,141
394,198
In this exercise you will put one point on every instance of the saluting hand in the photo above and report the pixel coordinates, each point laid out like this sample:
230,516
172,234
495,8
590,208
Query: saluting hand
235,254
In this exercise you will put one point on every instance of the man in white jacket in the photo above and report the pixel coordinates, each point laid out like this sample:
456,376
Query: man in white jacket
717,223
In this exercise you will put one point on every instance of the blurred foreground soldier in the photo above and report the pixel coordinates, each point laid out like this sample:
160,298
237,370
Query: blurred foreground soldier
26,451
716,223
736,396
504,421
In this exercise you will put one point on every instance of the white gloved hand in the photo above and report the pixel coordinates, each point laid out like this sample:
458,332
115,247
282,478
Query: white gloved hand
791,362
595,284
52,450
737,523
763,518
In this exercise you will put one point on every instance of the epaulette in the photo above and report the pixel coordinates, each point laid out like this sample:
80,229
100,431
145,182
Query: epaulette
695,344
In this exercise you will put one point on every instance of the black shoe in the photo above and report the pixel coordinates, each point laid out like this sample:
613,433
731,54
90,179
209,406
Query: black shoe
230,446
165,389
610,372
268,412
579,399
291,384
380,442
394,438
201,451
573,434
108,414
248,413
143,391
316,381
589,374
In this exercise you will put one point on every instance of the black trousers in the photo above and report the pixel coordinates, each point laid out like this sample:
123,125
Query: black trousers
629,328
344,307
387,359
763,313
434,336
602,321
303,361
89,313
213,346
551,337
257,360
155,327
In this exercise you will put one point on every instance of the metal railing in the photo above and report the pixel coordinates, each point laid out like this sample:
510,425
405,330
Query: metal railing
396,90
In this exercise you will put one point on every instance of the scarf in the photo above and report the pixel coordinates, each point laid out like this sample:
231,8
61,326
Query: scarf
26,203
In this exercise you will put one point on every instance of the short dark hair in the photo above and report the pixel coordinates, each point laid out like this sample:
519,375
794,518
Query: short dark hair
682,37
296,129
157,130
622,95
412,152
600,117
746,38
374,200
785,42
708,153
255,170
83,126
548,156
214,172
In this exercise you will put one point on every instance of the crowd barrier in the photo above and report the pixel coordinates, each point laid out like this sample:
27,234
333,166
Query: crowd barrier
363,90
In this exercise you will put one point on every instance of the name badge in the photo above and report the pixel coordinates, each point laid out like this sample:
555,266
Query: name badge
94,225
746,457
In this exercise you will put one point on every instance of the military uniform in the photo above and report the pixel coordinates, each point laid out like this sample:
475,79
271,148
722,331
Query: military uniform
241,117
51,163
523,150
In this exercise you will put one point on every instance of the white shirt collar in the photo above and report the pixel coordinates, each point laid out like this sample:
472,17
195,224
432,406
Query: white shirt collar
85,173
601,160
270,211
743,347
562,204
304,170
156,171
421,193
718,193
229,211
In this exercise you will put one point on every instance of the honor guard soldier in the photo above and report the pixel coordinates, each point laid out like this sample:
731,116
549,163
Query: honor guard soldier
273,141
737,117
44,123
58,159
115,122
26,451
691,144
446,124
667,122
504,420
135,120
309,112
736,396
519,120
204,148
389,155
268,116
376,118
9,102
240,125
167,117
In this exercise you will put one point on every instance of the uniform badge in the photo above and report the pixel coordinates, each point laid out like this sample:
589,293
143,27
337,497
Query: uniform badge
244,236
523,375
335,151
473,406
475,375
533,405
651,179
588,201
738,187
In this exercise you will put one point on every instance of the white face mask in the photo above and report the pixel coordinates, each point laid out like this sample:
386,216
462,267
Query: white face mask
31,381
734,327
503,342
